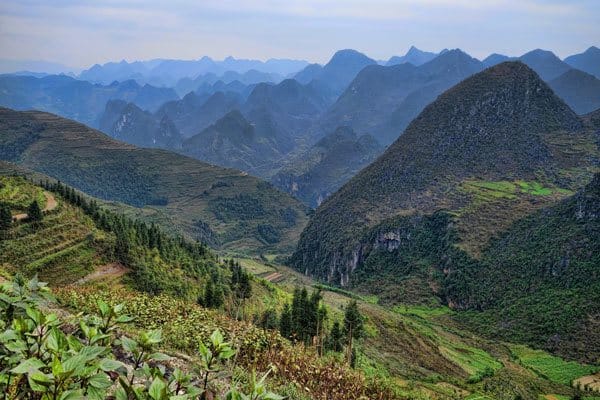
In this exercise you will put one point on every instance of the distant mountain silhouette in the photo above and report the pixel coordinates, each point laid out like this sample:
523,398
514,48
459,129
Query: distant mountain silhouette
414,56
588,61
580,90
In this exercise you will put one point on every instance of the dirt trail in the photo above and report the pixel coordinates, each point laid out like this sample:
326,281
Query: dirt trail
51,204
273,277
113,270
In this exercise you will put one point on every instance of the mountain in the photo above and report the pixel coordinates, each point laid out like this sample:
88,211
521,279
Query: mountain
167,72
186,85
545,63
580,90
488,128
34,66
76,99
588,61
414,56
413,225
232,142
495,58
285,111
383,100
195,112
222,207
128,123
316,173
338,72
554,256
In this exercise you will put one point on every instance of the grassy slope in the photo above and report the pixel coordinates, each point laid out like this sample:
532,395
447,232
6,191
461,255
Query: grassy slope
417,349
426,353
63,248
202,201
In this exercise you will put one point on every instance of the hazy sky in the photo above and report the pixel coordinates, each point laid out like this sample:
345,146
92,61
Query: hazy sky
81,33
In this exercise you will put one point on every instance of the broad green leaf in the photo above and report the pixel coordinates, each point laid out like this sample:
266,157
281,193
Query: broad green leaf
129,344
100,381
72,395
27,366
157,389
106,364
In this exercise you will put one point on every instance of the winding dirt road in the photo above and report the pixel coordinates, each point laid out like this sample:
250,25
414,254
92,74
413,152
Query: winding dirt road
51,204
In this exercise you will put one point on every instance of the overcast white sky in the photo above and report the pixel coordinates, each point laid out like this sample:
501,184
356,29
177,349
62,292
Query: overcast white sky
81,33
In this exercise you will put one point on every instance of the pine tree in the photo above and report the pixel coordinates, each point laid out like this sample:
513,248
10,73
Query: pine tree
34,212
268,320
353,327
209,294
5,217
335,341
285,322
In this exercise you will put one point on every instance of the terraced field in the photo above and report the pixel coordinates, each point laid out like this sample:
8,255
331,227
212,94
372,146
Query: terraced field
64,247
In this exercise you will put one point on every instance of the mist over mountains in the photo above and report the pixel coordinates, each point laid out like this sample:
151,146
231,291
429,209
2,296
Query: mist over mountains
288,105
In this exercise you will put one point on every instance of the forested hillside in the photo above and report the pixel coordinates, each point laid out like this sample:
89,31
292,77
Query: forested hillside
421,218
219,206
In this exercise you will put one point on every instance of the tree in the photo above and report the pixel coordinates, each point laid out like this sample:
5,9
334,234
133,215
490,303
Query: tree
335,341
353,327
34,212
5,217
268,319
285,322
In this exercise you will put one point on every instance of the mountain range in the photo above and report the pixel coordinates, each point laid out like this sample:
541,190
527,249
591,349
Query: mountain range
167,72
76,99
222,207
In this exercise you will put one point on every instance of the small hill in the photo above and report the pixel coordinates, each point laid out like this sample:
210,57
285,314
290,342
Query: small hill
588,61
219,206
315,174
545,63
79,100
127,122
580,90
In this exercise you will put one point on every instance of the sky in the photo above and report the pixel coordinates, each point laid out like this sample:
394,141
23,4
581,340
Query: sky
82,33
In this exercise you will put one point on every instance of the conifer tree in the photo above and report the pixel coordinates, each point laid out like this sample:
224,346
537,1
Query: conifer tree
335,341
34,212
285,322
5,217
353,327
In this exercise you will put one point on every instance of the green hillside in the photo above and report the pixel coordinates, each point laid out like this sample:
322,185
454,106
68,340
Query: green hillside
223,207
417,224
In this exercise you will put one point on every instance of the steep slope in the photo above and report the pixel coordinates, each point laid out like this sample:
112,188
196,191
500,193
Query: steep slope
580,90
501,124
414,56
383,100
316,173
220,206
76,99
338,72
233,142
128,123
588,61
553,255
545,63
